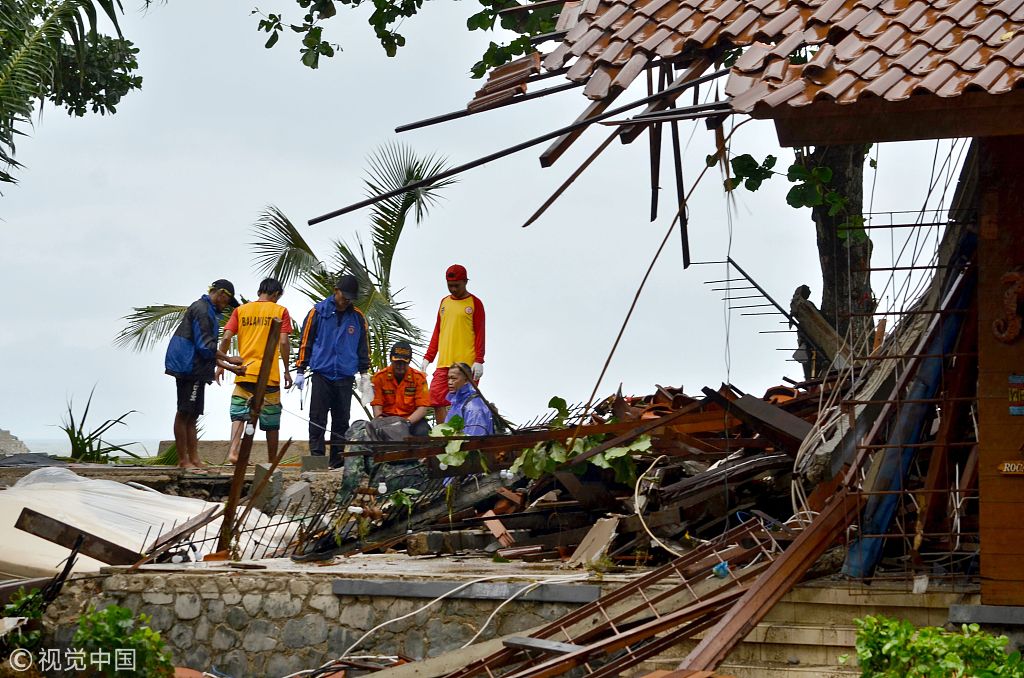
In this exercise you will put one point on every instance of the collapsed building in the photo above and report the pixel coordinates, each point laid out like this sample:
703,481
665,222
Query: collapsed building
894,459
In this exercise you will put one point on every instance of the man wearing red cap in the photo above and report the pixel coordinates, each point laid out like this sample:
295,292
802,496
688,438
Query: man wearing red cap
458,337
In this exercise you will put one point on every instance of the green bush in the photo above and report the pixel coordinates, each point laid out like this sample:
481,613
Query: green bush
114,628
22,604
894,648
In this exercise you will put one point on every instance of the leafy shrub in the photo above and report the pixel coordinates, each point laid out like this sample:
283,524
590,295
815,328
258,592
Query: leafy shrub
89,446
114,628
895,648
23,604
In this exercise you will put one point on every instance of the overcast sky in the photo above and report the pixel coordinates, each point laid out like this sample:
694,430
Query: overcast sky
153,203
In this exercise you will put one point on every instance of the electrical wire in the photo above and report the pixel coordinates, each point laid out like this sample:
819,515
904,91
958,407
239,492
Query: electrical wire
522,591
639,513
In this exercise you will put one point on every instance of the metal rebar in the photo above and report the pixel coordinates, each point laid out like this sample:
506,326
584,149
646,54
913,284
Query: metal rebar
465,112
580,124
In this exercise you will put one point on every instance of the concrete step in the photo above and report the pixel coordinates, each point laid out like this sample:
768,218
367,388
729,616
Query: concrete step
841,604
756,669
786,643
808,631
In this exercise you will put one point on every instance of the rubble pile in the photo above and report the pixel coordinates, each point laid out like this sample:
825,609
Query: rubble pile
632,481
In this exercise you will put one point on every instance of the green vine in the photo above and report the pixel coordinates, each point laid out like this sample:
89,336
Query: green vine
403,498
811,188
453,455
23,604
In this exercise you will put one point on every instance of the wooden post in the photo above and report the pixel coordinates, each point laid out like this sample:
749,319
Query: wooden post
255,404
1000,366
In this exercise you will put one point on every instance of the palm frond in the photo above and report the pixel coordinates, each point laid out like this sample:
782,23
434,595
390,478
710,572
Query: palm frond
279,249
149,325
33,35
389,168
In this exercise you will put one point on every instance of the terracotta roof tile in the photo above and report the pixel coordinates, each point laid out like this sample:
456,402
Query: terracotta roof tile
938,34
753,58
937,78
772,29
890,49
824,14
1013,50
853,19
882,84
955,85
820,64
967,55
723,11
991,28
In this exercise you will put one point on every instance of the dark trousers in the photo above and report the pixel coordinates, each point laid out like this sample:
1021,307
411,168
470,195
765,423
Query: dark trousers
334,397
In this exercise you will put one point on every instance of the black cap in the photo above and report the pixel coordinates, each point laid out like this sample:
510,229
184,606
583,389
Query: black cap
349,286
225,285
401,351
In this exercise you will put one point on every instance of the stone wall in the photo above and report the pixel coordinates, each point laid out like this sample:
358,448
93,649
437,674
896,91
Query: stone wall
9,444
272,624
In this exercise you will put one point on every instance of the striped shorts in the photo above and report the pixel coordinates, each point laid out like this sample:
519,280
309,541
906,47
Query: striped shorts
270,413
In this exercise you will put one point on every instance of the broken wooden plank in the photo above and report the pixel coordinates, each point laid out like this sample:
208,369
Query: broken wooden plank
170,537
667,516
778,579
595,544
499,531
593,496
65,535
769,420
540,645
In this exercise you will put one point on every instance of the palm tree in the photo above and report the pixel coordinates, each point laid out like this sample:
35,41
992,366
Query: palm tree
280,251
33,36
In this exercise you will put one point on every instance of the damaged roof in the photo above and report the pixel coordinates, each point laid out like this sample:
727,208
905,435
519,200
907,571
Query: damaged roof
870,52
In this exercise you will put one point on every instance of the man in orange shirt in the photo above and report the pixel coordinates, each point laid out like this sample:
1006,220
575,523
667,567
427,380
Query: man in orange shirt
251,323
401,391
458,337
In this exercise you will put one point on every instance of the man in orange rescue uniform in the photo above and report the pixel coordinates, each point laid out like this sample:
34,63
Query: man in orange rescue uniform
401,391
458,338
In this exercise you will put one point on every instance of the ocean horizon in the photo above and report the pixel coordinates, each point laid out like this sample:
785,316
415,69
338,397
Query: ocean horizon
59,446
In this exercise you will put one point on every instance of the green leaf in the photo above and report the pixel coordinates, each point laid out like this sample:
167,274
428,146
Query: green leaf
822,174
616,452
743,165
711,160
272,40
641,444
797,172
559,405
803,195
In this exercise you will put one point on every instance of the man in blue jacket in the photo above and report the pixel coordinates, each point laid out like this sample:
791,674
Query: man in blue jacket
191,358
335,347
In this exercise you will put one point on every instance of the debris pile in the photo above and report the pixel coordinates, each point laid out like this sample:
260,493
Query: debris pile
632,481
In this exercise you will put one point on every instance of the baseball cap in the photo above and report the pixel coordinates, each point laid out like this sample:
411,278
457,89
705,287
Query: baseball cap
401,351
456,272
349,286
225,285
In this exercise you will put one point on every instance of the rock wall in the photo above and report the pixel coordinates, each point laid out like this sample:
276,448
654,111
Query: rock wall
11,445
273,624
